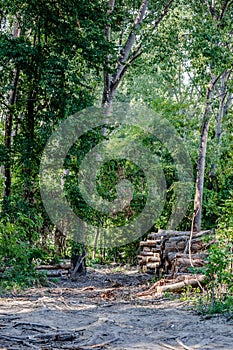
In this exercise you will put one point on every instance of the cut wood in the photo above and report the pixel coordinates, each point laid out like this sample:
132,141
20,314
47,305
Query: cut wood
148,243
179,286
147,259
54,267
153,265
171,251
55,273
146,254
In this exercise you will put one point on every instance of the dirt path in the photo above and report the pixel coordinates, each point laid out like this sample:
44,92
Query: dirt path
100,311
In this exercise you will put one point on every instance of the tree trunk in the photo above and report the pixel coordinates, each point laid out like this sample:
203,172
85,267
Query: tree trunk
202,157
205,124
29,144
8,134
225,99
95,243
108,93
78,261
9,124
30,125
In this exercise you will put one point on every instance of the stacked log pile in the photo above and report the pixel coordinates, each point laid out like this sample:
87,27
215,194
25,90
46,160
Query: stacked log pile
168,251
57,270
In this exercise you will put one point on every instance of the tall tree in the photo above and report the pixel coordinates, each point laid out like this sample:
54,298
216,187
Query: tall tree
221,16
9,121
134,28
46,60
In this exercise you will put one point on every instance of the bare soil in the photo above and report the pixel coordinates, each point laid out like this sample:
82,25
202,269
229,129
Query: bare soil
102,311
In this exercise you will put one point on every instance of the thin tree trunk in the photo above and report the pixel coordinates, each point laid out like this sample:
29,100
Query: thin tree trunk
224,104
78,261
202,157
9,123
205,124
8,134
29,144
225,100
95,243
107,93
30,125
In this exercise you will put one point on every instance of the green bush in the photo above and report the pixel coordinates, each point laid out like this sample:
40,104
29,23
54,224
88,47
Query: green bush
19,250
219,268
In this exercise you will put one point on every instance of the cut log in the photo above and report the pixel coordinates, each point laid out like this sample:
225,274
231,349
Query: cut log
54,267
148,243
186,262
55,273
153,265
201,255
171,255
156,249
146,254
173,233
178,239
153,235
146,249
146,259
180,246
179,286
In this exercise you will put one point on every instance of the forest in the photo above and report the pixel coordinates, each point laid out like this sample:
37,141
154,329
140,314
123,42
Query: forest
75,75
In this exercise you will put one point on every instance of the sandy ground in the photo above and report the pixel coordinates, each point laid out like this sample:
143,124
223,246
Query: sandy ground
101,311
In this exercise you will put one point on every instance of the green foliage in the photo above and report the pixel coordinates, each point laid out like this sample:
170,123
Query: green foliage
219,269
19,251
57,50
60,54
222,305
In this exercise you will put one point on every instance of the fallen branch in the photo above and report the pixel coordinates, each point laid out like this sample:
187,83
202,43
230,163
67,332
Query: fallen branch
20,340
37,325
168,346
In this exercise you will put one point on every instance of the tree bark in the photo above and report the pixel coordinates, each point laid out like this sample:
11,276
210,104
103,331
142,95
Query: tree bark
224,104
30,124
225,99
205,124
202,157
9,123
8,133
78,261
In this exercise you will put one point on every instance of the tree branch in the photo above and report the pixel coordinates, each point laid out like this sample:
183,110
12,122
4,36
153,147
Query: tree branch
122,33
135,54
129,43
224,9
9,107
211,9
163,14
